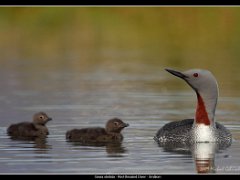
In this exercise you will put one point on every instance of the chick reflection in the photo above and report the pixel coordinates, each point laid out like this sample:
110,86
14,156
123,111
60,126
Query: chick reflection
115,148
41,143
112,148
38,142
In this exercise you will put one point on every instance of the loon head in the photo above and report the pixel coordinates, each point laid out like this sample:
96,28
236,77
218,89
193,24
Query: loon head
206,88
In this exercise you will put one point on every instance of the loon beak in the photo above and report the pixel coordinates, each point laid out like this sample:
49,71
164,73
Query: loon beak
49,119
177,73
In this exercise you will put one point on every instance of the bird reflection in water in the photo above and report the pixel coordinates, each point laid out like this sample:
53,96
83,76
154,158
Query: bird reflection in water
204,156
113,149
203,153
40,143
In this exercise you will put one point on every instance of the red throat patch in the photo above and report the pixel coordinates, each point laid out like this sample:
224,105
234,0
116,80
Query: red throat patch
201,113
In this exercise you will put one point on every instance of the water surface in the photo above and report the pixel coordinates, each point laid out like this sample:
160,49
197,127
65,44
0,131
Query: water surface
95,64
76,99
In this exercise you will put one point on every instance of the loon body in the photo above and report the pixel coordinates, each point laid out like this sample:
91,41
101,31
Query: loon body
203,127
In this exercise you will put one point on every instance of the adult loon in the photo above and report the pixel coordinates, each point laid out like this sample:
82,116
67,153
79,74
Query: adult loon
203,127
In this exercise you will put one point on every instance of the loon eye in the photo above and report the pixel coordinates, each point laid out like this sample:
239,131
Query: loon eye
41,117
195,75
116,123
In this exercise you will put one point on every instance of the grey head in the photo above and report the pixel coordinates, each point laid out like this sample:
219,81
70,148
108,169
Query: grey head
204,84
201,80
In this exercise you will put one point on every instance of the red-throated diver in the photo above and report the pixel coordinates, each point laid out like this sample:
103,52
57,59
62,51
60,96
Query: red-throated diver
203,127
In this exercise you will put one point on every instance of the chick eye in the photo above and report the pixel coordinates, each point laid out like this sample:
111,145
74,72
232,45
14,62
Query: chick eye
116,123
41,117
195,75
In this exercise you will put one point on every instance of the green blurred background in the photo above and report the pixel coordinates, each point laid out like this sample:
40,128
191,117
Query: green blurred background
182,37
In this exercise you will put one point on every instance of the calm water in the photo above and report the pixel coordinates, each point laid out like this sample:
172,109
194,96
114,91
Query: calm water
86,95
83,66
